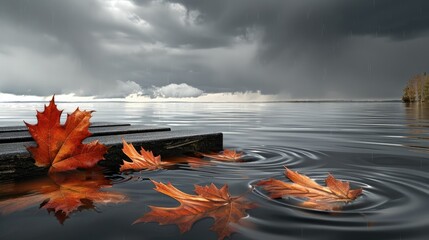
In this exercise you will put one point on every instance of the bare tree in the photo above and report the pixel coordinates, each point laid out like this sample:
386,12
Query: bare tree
417,89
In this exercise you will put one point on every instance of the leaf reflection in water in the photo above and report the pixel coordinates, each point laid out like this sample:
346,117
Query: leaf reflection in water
60,193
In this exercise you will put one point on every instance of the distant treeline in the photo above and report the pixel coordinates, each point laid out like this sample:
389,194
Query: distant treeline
417,89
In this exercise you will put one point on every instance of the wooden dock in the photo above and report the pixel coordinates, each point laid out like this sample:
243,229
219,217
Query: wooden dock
16,162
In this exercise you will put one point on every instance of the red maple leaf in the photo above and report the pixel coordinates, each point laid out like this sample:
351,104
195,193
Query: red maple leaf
60,147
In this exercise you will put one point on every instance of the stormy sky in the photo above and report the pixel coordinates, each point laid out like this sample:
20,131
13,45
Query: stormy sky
295,49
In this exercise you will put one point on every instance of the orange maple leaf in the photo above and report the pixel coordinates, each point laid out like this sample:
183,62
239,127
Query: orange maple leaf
210,201
61,193
318,197
60,147
225,155
194,162
146,159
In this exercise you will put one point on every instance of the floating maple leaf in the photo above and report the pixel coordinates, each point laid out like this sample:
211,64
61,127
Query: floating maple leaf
318,197
146,159
60,193
193,162
225,155
60,147
210,201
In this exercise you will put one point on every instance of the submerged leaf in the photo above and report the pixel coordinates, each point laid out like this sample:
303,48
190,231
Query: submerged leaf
60,147
317,196
210,201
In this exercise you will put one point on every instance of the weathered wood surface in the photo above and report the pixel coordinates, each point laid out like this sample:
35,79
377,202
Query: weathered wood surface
16,162
23,128
23,136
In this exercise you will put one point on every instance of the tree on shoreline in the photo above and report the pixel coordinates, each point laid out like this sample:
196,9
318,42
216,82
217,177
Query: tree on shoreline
417,89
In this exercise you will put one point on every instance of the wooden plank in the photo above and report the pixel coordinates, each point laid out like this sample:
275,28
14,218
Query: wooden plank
16,162
23,136
23,128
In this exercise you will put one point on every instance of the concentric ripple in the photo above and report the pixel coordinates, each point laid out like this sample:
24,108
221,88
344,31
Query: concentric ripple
259,161
391,203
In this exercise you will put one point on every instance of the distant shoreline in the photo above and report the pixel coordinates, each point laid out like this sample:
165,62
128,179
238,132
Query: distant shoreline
280,101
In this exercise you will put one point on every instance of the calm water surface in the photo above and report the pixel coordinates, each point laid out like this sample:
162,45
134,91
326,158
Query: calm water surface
381,147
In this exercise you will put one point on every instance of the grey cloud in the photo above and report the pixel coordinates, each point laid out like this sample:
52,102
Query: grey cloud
305,49
313,23
335,49
392,18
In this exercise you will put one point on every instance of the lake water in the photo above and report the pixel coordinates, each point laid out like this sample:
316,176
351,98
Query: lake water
382,147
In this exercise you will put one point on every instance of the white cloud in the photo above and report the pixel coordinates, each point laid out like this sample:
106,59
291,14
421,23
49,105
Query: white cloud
173,90
187,17
129,91
211,97
185,93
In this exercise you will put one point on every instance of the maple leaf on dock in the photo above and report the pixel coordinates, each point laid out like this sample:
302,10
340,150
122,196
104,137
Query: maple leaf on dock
147,160
60,147
210,201
143,160
317,196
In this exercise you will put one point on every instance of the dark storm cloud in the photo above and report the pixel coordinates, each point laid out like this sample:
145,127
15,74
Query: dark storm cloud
328,48
312,21
304,49
393,18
